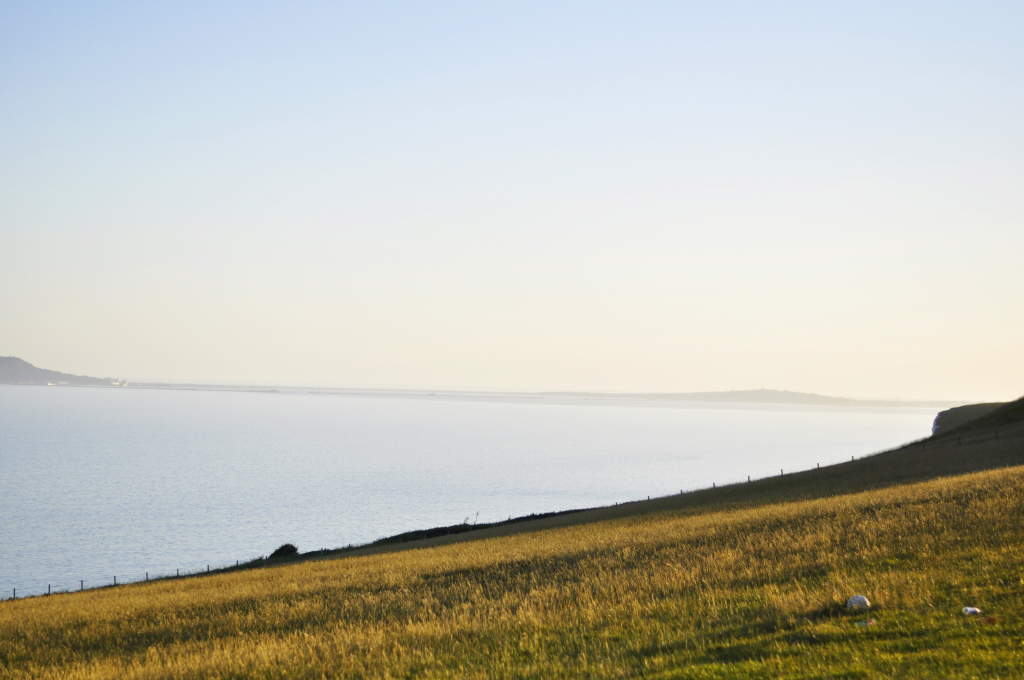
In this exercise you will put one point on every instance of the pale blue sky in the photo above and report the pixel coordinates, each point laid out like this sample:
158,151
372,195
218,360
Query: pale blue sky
613,196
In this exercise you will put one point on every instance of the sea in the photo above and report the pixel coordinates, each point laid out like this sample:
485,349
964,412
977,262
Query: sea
102,483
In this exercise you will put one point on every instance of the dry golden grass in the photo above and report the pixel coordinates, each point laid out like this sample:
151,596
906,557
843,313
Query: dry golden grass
753,592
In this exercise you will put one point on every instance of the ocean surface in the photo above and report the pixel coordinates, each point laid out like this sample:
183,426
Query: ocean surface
104,482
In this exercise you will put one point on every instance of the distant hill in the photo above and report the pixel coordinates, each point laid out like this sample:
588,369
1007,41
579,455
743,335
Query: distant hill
15,371
19,372
955,417
760,397
969,420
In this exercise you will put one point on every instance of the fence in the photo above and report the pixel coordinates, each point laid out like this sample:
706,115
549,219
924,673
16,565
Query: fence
114,580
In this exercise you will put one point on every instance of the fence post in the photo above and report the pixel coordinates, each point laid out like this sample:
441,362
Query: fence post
81,585
115,580
47,588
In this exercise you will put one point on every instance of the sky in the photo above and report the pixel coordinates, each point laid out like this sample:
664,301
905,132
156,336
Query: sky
633,196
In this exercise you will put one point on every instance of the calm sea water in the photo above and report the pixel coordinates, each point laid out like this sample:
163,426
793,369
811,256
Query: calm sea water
97,483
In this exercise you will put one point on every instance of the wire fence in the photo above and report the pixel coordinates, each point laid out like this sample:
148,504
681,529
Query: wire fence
130,578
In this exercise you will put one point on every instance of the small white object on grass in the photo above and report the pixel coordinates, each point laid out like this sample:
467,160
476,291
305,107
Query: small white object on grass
971,610
858,602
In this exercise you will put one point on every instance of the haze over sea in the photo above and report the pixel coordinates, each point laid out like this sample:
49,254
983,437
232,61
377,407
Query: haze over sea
98,483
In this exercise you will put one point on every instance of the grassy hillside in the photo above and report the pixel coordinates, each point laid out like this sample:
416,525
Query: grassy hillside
1007,419
754,592
961,415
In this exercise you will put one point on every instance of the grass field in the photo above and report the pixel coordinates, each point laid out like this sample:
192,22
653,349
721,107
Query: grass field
742,582
744,593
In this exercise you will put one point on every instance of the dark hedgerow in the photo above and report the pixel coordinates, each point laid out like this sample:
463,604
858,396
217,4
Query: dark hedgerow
286,550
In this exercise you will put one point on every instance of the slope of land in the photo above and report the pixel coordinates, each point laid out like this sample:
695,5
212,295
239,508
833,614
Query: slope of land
738,582
961,415
755,592
1004,419
17,371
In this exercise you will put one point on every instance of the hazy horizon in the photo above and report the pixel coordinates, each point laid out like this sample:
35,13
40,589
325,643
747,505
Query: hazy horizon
655,197
472,389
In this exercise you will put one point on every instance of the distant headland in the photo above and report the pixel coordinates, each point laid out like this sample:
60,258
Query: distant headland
15,371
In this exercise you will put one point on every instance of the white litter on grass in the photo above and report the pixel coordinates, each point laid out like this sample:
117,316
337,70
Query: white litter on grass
971,610
858,602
